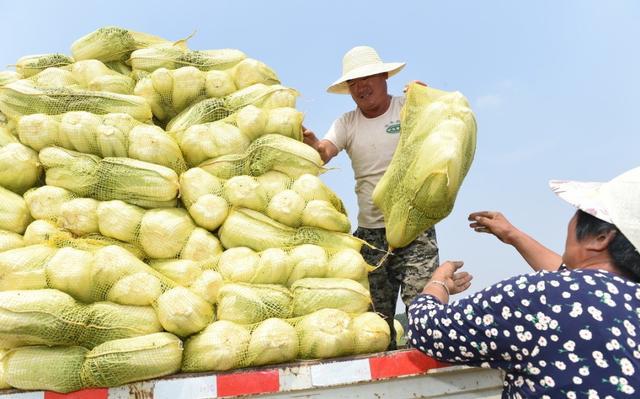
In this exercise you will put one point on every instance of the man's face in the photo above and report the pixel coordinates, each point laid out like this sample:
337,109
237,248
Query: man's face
369,92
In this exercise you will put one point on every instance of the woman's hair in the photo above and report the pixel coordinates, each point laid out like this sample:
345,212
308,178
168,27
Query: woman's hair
622,252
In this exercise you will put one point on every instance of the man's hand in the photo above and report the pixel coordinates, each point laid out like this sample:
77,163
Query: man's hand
309,138
493,223
448,274
406,87
325,148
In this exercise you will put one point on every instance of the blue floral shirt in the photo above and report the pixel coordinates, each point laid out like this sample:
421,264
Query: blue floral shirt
563,334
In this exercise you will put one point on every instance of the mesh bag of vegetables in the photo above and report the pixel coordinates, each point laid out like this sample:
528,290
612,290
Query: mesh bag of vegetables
23,268
326,333
7,77
96,76
254,122
247,228
20,168
162,233
10,240
51,317
305,201
252,303
30,65
14,214
90,75
178,55
436,148
266,153
47,232
111,274
171,91
23,98
311,294
213,109
41,367
285,266
137,182
109,135
233,134
126,360
226,345
112,363
112,43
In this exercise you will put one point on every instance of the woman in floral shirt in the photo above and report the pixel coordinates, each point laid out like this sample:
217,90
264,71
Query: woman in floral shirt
570,331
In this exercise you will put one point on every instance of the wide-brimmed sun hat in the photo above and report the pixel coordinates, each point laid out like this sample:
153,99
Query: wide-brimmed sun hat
359,62
616,201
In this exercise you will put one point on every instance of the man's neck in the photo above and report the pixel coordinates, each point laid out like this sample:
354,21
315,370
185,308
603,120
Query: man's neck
377,111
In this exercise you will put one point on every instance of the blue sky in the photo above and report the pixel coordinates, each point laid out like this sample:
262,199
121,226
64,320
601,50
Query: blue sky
555,85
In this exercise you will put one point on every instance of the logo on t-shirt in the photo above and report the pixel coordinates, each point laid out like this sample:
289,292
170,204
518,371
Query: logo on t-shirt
393,127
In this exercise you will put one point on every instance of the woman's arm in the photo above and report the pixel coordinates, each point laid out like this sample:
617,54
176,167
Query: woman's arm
482,329
537,255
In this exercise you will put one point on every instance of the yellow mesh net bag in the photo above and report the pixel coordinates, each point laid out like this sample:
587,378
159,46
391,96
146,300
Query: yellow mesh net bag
137,182
109,135
214,109
24,98
113,363
51,317
436,148
326,333
30,65
41,367
112,43
305,201
169,92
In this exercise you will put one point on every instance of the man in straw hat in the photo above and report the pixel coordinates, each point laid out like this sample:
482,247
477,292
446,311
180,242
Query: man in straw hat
370,134
572,329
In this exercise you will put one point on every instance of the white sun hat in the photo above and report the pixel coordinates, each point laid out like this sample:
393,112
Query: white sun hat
616,201
359,62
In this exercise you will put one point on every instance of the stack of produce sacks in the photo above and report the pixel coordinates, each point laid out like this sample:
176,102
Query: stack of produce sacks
153,196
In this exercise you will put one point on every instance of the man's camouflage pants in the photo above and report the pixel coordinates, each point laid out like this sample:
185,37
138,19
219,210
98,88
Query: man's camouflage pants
407,269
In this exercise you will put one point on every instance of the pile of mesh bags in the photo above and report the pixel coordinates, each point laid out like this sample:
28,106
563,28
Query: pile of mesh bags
159,213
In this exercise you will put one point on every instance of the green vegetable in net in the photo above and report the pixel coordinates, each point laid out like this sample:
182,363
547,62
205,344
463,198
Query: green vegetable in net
14,214
112,43
372,333
41,367
326,333
121,361
29,65
221,346
311,294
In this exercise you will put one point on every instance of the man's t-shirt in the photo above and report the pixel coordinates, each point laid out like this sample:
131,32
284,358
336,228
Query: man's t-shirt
370,144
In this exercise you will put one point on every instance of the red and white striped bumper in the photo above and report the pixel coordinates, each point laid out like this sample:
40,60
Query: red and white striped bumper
266,380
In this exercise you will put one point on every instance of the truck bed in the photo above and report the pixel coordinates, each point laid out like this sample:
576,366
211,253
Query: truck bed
392,375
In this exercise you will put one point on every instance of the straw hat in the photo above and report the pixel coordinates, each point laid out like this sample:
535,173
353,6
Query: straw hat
616,202
359,62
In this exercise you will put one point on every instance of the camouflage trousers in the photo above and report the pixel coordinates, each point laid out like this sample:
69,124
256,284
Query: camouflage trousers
407,269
